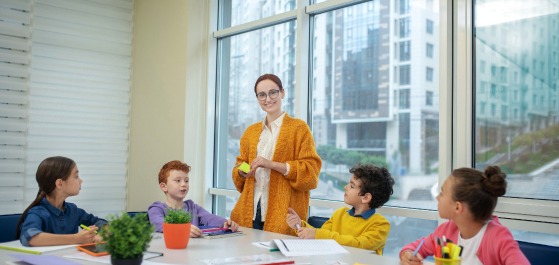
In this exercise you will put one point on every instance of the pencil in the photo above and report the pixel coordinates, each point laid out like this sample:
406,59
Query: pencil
418,247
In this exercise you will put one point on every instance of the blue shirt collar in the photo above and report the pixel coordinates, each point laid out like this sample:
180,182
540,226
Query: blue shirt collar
55,211
365,214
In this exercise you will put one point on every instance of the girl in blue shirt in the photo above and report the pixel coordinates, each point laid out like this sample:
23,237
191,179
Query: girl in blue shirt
49,219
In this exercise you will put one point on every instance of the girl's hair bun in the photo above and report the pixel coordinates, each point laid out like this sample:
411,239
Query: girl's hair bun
494,182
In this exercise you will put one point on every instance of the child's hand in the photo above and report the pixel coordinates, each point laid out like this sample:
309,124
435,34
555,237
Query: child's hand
293,219
306,233
195,231
86,236
231,225
407,258
97,239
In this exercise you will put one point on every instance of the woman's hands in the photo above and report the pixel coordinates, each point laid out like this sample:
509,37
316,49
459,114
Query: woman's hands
255,164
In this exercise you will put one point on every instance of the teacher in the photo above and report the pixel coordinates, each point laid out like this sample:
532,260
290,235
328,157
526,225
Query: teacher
284,165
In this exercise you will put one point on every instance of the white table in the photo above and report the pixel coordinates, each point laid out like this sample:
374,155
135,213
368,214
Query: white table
199,249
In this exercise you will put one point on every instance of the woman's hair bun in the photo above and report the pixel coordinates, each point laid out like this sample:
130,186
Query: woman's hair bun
494,181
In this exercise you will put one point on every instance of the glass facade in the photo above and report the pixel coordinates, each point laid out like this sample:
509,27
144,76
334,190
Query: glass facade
516,119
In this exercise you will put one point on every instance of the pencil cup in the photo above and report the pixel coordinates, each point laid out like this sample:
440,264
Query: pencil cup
441,261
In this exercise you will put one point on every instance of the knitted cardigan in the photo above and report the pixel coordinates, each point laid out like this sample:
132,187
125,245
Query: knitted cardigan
295,146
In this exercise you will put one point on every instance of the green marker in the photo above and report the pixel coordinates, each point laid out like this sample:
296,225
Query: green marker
86,227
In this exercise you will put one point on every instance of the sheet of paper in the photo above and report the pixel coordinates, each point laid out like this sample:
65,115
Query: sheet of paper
308,247
43,259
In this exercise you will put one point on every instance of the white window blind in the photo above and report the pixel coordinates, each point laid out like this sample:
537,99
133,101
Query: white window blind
78,96
15,30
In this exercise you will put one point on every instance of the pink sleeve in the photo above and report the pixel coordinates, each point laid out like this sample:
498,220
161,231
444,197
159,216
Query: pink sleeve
509,250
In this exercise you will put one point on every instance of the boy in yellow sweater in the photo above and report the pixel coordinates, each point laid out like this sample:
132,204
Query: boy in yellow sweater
369,188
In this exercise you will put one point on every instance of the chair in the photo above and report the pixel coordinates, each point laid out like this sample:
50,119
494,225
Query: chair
539,254
8,224
132,214
317,221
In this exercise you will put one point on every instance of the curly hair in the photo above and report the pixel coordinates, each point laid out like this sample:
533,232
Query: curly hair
375,180
172,165
479,190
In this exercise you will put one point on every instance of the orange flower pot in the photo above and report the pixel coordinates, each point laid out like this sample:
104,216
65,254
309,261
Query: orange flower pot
176,236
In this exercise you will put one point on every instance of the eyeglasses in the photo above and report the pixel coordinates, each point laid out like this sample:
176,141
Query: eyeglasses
273,94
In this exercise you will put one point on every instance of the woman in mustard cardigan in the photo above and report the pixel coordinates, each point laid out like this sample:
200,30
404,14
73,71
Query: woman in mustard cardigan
284,165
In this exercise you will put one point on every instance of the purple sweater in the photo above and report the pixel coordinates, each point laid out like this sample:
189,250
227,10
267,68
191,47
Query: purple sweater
200,217
497,247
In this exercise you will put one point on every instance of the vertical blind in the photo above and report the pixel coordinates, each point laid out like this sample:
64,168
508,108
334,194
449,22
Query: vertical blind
15,30
75,99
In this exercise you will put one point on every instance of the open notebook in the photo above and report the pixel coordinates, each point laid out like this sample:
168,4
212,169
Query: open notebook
307,247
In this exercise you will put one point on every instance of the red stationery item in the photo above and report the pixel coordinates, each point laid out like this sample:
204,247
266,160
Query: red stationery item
279,262
438,249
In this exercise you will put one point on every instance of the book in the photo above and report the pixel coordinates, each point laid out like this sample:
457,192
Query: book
17,246
307,247
212,233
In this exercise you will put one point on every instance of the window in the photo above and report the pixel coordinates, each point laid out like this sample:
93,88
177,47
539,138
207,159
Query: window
404,99
429,98
404,6
405,53
243,64
429,26
429,74
525,137
429,50
405,75
244,11
356,114
405,27
411,139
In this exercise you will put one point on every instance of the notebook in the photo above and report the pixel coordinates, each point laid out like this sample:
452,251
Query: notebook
17,246
307,247
212,233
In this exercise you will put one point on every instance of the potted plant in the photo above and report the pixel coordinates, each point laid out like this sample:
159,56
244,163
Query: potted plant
176,228
127,238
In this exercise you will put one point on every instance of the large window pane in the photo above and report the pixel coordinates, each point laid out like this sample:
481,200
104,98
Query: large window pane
360,114
516,122
243,58
236,12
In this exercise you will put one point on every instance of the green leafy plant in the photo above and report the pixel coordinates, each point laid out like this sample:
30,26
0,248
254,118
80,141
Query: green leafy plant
127,237
177,216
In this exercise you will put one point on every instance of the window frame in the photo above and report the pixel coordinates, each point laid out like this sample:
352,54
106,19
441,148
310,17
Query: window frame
455,105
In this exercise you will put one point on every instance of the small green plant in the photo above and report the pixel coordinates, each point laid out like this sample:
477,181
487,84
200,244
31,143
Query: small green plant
127,237
177,216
